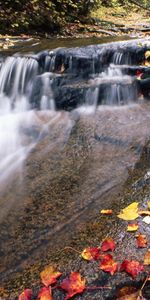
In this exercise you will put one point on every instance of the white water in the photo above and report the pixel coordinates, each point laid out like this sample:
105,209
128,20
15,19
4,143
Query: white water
16,78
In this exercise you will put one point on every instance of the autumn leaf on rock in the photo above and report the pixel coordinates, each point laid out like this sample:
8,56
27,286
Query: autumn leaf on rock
90,253
132,267
147,220
108,264
73,285
144,212
49,275
45,294
128,293
147,258
108,244
141,241
25,295
132,227
130,212
106,211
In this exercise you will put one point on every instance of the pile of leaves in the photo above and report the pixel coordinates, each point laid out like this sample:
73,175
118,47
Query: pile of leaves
76,284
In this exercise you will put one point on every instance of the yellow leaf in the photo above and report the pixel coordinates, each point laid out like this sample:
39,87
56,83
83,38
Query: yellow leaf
130,212
148,203
106,211
147,258
144,212
132,227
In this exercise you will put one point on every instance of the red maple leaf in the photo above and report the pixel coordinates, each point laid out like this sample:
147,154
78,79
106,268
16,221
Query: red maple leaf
25,295
90,253
131,267
45,294
108,264
73,285
49,275
108,244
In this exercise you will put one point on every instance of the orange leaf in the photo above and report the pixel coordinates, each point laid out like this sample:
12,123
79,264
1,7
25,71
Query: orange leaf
147,258
106,211
45,294
141,241
73,285
49,275
131,267
25,295
132,227
90,253
108,244
108,264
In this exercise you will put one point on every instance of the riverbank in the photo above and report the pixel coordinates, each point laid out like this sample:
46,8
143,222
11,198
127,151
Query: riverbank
106,22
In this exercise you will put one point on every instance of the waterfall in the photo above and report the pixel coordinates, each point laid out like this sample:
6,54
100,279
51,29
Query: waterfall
57,80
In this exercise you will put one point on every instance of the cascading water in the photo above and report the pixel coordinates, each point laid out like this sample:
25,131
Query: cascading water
59,79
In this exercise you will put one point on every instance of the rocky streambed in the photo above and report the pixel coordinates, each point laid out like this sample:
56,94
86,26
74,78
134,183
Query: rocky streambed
81,165
78,143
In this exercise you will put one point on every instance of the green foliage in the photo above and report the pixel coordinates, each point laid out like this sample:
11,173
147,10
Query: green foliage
42,15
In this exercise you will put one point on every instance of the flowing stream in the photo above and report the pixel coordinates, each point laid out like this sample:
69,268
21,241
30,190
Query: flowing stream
72,125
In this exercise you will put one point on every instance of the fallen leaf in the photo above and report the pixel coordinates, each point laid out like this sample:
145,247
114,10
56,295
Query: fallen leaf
148,203
108,244
106,211
130,212
141,241
147,220
108,264
128,293
90,253
144,212
49,275
25,295
147,258
131,267
132,227
45,294
73,285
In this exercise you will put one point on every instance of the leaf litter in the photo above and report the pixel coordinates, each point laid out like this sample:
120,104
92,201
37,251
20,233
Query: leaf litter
76,284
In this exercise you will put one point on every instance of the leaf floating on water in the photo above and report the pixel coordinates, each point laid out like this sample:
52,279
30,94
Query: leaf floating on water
141,241
108,264
108,244
25,295
45,294
130,212
90,253
132,227
106,211
49,275
147,220
73,285
128,293
132,267
147,258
